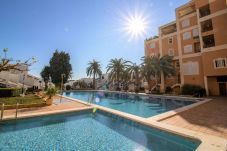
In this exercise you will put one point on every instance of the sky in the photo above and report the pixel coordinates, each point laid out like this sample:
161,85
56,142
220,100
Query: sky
86,29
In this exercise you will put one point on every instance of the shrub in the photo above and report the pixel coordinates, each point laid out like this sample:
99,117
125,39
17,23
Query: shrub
168,89
195,90
68,87
51,92
10,92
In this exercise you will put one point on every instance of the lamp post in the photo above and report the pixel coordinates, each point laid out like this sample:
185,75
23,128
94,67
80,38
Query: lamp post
62,76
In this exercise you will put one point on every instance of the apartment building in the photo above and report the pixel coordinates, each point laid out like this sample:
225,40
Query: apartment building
198,42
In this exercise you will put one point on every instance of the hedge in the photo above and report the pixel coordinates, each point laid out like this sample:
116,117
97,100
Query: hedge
10,92
196,90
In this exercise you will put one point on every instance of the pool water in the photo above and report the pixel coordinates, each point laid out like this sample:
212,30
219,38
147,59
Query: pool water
143,106
86,131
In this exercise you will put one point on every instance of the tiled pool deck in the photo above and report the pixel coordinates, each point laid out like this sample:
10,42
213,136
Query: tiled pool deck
206,121
209,118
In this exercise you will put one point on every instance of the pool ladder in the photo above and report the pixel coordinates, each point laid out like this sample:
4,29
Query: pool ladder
2,111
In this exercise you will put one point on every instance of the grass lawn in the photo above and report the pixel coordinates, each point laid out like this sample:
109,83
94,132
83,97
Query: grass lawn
29,99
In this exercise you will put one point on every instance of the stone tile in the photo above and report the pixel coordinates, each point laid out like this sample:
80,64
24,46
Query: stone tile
210,118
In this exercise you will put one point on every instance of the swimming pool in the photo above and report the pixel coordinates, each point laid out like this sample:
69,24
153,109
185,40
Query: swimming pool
86,131
143,106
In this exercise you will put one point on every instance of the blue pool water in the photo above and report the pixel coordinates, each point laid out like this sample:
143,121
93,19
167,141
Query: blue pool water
144,106
85,131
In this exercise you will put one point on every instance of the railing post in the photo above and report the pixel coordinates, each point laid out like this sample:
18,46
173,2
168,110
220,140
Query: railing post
17,109
2,110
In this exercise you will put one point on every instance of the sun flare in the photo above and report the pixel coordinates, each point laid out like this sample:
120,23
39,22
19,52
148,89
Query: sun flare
135,26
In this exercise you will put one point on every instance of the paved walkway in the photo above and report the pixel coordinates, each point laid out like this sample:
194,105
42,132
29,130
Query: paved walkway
57,106
210,118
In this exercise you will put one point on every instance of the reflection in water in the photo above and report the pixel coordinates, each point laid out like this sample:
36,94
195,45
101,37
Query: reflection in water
144,106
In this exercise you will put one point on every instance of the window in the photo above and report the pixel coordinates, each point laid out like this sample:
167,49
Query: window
152,45
170,40
197,47
171,52
195,33
185,23
191,68
204,11
187,35
220,63
187,48
208,41
207,25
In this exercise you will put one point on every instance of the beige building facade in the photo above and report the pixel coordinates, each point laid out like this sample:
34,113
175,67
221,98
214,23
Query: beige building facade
198,42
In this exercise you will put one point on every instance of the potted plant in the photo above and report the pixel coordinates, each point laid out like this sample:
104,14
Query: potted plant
51,91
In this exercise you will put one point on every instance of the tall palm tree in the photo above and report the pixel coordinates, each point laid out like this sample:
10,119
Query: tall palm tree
134,71
157,67
116,68
166,68
162,66
148,69
94,69
5,50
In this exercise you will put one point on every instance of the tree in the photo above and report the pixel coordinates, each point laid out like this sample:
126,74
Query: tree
10,64
45,74
134,71
166,68
60,64
158,67
125,79
94,69
116,68
147,70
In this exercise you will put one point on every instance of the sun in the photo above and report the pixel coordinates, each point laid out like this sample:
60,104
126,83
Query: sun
135,26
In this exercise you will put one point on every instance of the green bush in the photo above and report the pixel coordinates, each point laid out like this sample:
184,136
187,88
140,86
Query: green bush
51,91
68,87
10,92
195,90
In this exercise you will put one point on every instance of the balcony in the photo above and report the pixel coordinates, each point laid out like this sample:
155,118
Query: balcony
169,29
204,11
207,25
208,41
187,10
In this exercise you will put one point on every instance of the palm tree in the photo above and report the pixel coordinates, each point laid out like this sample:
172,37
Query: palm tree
5,50
125,79
147,69
94,68
116,68
134,71
166,68
158,67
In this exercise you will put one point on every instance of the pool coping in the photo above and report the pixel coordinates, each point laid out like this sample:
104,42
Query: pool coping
36,114
196,99
208,142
